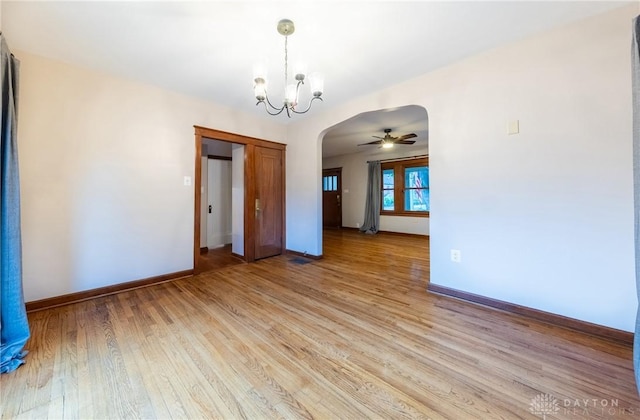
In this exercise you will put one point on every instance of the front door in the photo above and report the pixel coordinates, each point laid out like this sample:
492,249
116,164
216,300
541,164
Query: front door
331,200
269,209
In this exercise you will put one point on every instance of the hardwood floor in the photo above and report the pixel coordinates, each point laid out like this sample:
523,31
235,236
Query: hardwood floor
354,335
217,258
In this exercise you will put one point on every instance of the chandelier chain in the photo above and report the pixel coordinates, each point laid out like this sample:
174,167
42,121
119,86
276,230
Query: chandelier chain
286,61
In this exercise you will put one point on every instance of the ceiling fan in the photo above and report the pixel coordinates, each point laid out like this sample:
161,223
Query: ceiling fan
388,140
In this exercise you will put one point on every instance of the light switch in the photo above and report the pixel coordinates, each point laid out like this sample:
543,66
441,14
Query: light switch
187,181
514,127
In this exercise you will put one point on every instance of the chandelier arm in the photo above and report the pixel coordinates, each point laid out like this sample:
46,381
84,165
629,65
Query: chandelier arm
266,108
266,96
309,107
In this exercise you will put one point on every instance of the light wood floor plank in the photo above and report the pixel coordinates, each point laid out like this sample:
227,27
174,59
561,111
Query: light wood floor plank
354,335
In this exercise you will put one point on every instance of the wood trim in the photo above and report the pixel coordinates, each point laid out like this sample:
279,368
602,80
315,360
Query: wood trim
403,213
398,166
413,235
238,256
550,318
249,203
401,158
210,133
283,249
302,254
218,157
387,232
204,250
197,201
38,305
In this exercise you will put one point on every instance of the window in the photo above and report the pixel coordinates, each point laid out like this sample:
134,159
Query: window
330,183
405,188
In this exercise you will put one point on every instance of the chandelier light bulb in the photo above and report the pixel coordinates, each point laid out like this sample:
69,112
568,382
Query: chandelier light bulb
317,84
291,95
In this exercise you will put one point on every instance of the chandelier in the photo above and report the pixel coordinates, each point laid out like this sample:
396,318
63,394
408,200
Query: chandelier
290,102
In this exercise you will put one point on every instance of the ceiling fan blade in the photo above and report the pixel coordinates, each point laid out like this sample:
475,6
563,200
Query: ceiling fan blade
407,136
378,137
404,142
371,142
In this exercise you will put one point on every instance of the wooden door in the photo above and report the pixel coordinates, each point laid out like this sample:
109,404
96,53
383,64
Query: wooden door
331,198
269,208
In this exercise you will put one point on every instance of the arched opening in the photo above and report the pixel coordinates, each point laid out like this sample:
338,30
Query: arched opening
347,147
344,146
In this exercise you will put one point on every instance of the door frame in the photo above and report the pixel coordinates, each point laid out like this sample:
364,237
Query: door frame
250,144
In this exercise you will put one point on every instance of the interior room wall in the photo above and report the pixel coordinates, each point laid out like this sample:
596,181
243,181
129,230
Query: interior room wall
97,208
354,189
543,218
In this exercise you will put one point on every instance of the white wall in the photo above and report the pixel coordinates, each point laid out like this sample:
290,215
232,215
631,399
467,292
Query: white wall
97,209
237,199
354,188
544,218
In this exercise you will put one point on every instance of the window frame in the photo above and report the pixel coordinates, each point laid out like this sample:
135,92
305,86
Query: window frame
399,167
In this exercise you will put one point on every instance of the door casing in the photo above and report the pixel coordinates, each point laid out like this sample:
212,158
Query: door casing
250,175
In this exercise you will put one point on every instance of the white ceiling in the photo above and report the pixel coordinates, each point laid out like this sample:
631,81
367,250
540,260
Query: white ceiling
208,49
345,137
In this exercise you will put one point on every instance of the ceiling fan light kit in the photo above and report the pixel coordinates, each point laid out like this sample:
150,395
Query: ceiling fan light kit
291,91
388,141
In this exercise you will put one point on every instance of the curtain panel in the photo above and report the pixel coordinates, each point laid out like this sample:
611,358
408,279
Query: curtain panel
371,222
14,328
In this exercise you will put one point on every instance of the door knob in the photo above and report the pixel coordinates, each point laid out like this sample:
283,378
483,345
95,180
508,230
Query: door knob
209,208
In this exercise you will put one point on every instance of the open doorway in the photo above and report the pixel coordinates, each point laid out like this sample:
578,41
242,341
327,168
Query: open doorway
257,196
399,135
218,220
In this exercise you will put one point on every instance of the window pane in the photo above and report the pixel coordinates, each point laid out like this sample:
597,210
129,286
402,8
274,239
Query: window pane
416,200
387,200
335,183
416,177
324,183
387,179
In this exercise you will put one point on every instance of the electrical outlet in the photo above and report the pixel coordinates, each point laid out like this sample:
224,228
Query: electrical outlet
456,256
187,181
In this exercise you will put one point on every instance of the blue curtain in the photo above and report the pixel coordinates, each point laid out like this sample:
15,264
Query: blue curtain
635,70
14,328
372,206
